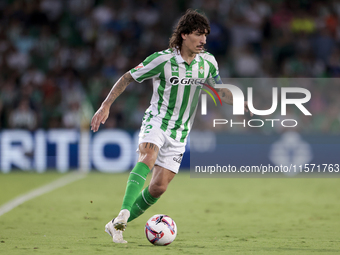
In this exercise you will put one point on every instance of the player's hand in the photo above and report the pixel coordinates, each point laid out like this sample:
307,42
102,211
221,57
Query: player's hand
99,117
246,108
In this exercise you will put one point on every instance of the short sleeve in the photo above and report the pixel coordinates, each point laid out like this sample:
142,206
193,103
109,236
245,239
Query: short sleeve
213,77
151,67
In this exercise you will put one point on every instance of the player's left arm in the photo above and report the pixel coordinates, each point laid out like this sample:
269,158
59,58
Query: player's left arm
227,97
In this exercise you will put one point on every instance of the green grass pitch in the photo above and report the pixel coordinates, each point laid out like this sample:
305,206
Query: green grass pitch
213,216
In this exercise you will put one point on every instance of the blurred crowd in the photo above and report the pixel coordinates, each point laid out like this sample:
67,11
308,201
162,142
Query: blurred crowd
60,58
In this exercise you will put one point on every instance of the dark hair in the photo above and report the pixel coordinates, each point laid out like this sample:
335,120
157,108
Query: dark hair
188,23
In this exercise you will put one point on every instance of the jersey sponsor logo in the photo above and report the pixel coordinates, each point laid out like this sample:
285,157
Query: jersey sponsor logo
174,80
179,158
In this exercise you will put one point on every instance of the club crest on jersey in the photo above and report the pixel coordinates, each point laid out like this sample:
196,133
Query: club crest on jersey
139,66
175,68
201,70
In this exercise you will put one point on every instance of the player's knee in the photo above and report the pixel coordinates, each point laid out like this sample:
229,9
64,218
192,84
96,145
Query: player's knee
148,159
157,190
147,155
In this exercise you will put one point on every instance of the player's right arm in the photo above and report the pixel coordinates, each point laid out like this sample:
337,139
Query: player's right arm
103,112
149,68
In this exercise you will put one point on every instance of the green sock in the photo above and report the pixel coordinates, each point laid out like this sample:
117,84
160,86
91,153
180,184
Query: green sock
143,202
135,184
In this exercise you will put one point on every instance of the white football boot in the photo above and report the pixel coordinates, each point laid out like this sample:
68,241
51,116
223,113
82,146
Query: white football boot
120,221
117,235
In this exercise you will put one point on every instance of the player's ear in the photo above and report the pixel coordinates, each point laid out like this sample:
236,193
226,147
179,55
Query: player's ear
184,36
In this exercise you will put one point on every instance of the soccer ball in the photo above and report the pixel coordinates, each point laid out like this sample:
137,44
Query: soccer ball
160,229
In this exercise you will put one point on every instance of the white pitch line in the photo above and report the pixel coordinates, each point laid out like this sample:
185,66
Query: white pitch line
40,191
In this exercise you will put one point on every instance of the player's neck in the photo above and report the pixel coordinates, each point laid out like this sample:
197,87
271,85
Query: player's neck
187,55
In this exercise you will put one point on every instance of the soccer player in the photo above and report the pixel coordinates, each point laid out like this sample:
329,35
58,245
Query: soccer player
168,120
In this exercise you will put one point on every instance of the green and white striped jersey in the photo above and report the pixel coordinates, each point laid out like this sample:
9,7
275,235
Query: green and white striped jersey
175,89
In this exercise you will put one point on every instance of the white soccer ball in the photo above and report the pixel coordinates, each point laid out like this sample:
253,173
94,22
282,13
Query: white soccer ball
160,229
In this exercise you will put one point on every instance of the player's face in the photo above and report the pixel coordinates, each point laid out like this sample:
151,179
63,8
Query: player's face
195,41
